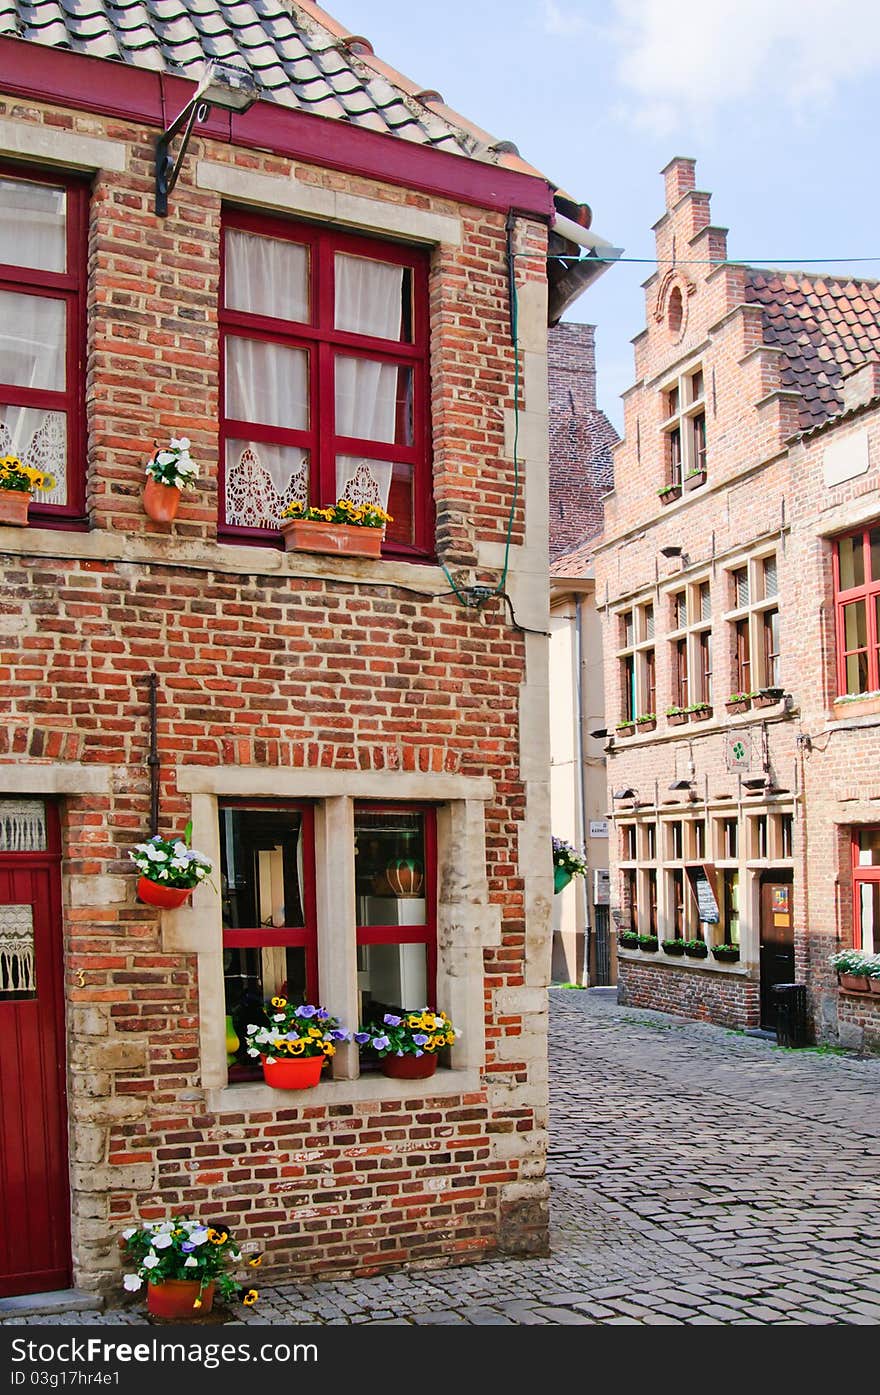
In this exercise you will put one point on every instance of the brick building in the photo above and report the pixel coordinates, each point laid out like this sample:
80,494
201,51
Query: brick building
325,308
735,581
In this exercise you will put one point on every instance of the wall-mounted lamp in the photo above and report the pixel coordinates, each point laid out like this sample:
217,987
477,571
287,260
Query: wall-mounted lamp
754,783
627,793
222,85
599,733
681,785
673,550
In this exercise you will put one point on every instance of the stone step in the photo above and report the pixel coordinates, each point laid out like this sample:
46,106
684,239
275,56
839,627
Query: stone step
66,1300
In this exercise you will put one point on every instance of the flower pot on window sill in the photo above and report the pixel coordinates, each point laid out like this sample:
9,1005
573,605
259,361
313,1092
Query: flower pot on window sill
628,941
673,946
642,727
874,986
854,983
694,480
649,944
409,1066
667,496
161,501
698,950
14,507
292,1072
676,719
310,535
702,714
625,729
166,897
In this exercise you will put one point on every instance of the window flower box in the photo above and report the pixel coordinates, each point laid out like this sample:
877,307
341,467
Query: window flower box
695,478
673,946
726,954
625,728
676,716
670,493
738,703
649,943
854,983
646,722
700,712
768,697
857,971
696,949
628,939
343,528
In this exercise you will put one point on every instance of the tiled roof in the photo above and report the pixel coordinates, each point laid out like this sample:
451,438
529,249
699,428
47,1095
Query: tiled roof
298,54
576,563
824,325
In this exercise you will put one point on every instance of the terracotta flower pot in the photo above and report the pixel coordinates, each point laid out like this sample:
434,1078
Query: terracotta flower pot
408,1066
14,507
874,985
154,894
676,719
293,1072
161,501
310,535
176,1298
854,983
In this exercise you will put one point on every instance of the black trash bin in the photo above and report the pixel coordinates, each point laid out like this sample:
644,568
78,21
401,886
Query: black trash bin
790,1001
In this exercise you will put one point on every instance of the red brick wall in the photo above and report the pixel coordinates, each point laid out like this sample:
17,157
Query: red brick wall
263,669
731,1001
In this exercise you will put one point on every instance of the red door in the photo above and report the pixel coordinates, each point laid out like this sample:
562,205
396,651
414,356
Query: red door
34,1184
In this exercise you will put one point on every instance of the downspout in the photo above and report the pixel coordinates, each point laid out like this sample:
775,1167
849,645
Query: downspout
582,798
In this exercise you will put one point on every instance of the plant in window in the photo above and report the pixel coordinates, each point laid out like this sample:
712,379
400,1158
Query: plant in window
646,719
169,469
628,939
294,1043
857,972
356,529
169,869
184,1263
625,726
17,483
407,1043
649,943
696,949
726,954
673,946
676,715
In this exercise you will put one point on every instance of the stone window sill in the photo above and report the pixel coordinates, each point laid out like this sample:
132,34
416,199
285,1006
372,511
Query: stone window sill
255,1096
684,961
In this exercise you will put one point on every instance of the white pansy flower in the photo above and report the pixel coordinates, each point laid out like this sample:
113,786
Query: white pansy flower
132,1282
190,1263
151,1260
129,1232
162,1241
199,1235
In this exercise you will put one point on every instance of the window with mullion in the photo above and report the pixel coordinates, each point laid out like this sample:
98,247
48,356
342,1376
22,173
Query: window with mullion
267,876
43,232
857,605
325,359
395,885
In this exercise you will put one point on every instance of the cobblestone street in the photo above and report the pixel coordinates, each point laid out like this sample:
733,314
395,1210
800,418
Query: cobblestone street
699,1176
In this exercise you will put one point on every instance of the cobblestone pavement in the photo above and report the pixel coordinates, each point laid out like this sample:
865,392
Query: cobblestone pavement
699,1176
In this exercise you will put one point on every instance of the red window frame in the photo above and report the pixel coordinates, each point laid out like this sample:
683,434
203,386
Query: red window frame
321,341
869,593
289,936
860,874
410,934
70,287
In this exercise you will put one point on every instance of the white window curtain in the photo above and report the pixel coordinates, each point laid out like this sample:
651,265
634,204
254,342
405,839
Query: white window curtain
33,225
267,384
32,341
261,480
368,302
267,276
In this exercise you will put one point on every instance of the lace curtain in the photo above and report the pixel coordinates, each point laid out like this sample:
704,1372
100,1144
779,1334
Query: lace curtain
39,439
17,950
22,825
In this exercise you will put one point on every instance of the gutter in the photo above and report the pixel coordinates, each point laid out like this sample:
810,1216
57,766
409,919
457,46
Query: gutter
569,277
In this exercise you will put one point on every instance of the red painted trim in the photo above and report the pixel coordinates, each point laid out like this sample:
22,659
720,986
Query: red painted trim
111,88
869,593
68,286
860,876
412,934
323,343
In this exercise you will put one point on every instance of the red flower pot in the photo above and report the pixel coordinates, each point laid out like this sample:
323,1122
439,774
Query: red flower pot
409,1067
854,983
293,1072
14,506
154,894
161,501
874,985
176,1298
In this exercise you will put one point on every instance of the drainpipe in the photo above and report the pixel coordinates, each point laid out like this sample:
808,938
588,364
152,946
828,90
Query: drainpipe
582,798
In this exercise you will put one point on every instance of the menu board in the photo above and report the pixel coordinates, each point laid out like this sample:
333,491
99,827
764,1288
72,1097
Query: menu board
702,884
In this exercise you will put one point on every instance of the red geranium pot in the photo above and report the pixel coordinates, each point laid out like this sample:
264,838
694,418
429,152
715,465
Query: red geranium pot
154,894
292,1072
408,1066
176,1298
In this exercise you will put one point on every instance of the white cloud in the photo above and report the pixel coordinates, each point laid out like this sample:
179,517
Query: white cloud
562,23
681,60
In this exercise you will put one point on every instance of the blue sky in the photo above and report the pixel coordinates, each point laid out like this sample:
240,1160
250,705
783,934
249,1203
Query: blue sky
776,100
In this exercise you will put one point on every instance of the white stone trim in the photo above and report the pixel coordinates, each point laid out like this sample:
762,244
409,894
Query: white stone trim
63,149
62,777
466,923
288,195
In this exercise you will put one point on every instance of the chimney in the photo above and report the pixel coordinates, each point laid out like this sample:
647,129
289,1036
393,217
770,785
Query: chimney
861,385
681,177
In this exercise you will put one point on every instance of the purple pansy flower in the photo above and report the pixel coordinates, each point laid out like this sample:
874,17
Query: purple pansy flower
391,1021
